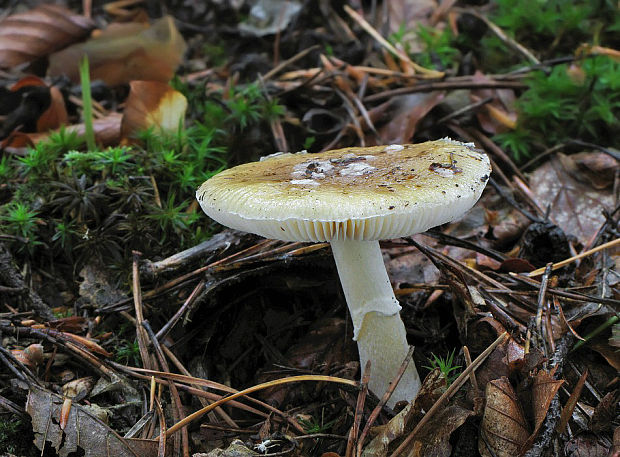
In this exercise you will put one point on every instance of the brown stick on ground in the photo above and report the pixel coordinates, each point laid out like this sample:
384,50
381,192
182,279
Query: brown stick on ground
10,276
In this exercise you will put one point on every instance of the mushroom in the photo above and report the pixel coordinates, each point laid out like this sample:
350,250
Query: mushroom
352,198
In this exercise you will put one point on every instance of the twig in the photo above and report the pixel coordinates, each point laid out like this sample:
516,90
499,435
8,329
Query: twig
424,72
555,266
352,442
137,301
548,429
447,84
249,390
217,243
161,334
542,292
174,393
465,109
456,385
502,36
282,65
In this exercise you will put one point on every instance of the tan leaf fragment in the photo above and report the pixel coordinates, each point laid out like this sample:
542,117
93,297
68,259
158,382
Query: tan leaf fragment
152,104
503,429
25,37
128,53
433,440
544,388
564,187
82,431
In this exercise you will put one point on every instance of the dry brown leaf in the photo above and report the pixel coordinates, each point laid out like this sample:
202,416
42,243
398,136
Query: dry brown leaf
587,445
569,407
555,184
134,53
499,115
82,431
152,104
433,440
615,450
107,133
503,427
605,412
28,36
408,15
407,111
544,388
596,168
433,386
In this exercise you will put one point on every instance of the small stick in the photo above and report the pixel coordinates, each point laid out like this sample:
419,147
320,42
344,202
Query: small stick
555,266
456,385
472,376
282,65
174,393
352,442
137,301
256,388
542,292
425,72
502,36
202,400
181,311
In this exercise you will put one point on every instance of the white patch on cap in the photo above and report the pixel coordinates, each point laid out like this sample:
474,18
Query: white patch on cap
459,143
356,169
445,172
304,182
315,169
394,148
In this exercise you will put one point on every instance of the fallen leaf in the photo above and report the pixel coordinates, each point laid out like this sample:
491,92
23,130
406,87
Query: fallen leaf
503,428
605,412
433,386
407,111
556,186
408,15
126,53
107,133
586,445
152,104
433,439
83,431
25,37
544,388
499,115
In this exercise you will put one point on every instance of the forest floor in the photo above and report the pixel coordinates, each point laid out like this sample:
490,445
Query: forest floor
133,325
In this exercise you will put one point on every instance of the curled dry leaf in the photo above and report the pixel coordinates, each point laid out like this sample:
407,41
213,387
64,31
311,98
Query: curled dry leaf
152,104
82,430
125,53
36,33
544,388
567,191
433,440
504,429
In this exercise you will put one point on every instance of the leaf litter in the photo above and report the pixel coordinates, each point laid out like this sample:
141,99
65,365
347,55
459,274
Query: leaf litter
186,328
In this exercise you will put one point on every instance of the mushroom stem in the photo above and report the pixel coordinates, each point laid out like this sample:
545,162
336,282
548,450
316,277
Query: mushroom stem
377,326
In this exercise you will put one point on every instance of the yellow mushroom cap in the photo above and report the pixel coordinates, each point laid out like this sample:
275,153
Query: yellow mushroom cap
370,193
